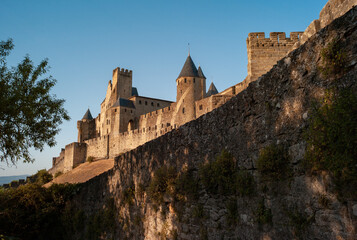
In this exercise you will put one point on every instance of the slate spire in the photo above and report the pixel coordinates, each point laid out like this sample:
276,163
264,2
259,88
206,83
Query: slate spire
87,115
189,69
212,90
200,73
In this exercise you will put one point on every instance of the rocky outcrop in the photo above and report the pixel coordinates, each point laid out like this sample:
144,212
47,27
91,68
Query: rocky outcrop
272,110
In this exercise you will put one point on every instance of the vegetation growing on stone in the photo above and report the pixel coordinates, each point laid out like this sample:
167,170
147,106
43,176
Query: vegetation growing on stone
232,211
263,214
128,195
273,162
101,225
90,159
57,174
219,176
187,186
299,221
332,139
333,58
162,183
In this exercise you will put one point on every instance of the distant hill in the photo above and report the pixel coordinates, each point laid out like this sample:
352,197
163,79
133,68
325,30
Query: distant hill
8,179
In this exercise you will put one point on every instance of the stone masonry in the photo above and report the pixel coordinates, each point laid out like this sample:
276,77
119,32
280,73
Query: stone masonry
273,109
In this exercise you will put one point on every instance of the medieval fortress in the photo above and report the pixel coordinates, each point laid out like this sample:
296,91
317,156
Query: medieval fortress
128,120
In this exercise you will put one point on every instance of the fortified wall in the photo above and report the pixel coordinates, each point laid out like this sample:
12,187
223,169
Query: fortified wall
272,110
264,53
128,120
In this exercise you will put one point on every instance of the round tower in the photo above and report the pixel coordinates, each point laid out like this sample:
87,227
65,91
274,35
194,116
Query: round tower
191,86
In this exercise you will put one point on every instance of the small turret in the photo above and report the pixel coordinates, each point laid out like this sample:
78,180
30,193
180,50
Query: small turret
200,73
189,69
191,86
86,127
87,115
212,90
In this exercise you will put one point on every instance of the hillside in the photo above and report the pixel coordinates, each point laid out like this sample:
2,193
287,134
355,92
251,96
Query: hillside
166,188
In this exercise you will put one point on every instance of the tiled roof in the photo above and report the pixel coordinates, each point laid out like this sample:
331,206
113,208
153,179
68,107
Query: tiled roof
87,115
134,92
189,69
122,102
200,73
212,90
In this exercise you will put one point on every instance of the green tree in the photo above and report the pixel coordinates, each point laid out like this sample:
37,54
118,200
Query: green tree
29,114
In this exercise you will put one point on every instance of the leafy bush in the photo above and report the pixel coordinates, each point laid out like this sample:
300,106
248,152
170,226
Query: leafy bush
232,212
332,139
299,221
57,174
102,223
33,212
222,177
128,195
333,58
90,159
219,176
263,214
245,183
273,162
42,177
198,212
162,183
186,186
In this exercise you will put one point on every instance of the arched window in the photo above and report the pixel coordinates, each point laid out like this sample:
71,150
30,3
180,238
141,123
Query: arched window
183,110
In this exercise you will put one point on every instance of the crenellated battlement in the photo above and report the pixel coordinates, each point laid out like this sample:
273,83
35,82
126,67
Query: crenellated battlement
276,39
264,52
122,71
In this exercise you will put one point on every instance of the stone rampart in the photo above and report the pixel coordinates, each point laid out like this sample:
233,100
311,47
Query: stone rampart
332,10
98,147
273,109
263,53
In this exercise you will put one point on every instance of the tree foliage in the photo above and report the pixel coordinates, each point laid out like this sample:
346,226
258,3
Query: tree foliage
29,113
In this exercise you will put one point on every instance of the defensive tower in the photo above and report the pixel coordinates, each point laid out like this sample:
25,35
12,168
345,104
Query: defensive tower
191,86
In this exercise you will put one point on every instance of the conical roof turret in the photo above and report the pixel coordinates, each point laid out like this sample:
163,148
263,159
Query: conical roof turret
189,69
212,90
87,115
200,73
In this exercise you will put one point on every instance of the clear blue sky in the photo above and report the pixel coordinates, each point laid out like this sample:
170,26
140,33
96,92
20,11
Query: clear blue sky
85,40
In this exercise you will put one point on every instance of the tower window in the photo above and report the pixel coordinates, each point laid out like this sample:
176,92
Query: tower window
183,110
125,110
139,101
158,104
146,102
152,104
200,107
185,80
193,80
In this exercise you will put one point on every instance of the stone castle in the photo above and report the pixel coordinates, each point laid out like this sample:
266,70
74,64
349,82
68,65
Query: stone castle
128,120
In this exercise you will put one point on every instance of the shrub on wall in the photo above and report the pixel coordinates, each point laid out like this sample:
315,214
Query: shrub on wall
273,162
332,139
222,177
219,176
333,58
162,183
90,159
